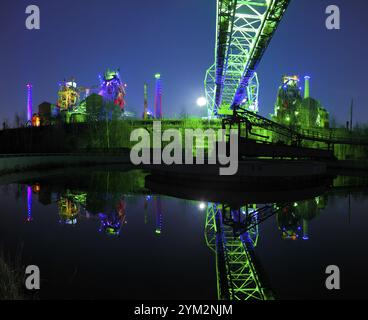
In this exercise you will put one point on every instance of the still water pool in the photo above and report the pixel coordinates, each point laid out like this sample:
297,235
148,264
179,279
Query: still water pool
104,234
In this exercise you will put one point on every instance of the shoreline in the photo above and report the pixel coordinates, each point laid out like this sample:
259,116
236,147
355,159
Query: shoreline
252,168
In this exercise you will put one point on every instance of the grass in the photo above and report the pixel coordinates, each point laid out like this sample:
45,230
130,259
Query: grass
11,279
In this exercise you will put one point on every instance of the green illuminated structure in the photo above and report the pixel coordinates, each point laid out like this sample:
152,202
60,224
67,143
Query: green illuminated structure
244,30
237,277
291,109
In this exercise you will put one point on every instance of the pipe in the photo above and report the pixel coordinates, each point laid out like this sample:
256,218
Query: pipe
306,87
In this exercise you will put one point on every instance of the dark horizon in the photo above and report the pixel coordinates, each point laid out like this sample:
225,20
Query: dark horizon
177,40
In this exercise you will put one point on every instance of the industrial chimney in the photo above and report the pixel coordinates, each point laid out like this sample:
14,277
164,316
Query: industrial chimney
306,87
158,97
145,110
29,103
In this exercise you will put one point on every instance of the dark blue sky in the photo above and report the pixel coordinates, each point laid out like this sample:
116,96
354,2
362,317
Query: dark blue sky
82,38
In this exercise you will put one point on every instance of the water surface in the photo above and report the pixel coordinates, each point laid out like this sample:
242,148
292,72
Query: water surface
99,234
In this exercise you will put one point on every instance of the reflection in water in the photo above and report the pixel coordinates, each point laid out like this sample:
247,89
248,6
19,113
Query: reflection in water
70,207
232,230
158,214
293,220
110,211
113,220
232,234
154,203
29,204
237,276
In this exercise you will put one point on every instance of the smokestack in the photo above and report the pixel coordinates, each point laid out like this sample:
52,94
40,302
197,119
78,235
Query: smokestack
158,97
145,102
351,114
29,103
306,87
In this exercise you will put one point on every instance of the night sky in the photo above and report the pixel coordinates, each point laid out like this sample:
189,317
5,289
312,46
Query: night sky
82,38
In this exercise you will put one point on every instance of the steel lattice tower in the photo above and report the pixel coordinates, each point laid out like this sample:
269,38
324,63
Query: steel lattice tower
244,30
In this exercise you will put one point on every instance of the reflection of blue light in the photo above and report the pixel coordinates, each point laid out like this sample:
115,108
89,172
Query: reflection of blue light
305,238
71,221
109,223
29,203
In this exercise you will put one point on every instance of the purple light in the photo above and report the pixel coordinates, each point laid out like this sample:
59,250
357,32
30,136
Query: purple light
29,102
29,204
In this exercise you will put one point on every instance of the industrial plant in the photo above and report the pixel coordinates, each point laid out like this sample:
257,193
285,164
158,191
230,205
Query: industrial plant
79,104
297,109
219,203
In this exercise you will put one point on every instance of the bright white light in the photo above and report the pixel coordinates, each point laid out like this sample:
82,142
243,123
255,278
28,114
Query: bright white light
201,102
202,206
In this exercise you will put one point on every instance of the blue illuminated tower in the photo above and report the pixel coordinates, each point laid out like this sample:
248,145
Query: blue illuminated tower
158,97
29,103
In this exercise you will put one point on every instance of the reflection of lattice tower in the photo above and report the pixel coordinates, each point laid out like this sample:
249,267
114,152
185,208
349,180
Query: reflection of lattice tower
29,102
237,276
158,97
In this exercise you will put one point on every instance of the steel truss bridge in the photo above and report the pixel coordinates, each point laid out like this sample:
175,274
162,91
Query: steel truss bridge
244,31
232,235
